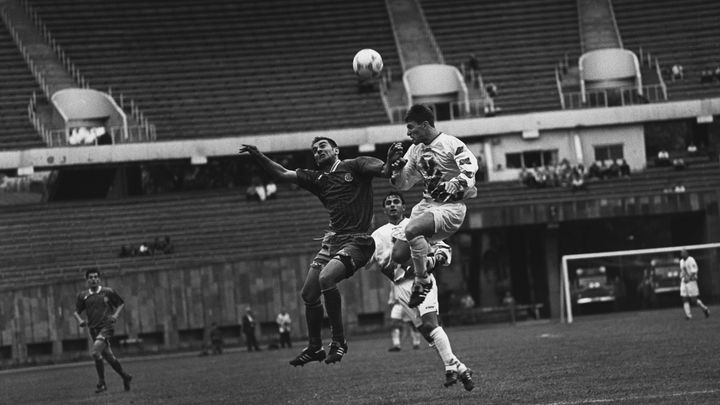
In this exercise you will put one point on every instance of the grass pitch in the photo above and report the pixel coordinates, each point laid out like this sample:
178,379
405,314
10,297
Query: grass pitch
649,357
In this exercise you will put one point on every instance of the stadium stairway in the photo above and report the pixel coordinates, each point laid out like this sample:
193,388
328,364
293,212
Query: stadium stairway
518,44
16,89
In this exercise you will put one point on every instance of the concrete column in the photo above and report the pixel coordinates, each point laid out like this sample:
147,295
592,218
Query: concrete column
552,265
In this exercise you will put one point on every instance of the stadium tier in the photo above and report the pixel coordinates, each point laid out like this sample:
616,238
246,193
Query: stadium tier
688,37
221,68
16,88
518,45
46,242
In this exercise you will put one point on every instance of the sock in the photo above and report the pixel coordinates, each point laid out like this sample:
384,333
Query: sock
701,305
333,307
415,337
115,364
314,317
395,337
686,307
100,368
418,252
442,345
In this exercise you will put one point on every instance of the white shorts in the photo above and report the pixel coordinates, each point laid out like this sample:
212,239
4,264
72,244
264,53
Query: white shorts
407,314
448,217
689,289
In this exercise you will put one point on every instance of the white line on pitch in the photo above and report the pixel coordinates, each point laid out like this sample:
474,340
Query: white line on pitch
634,397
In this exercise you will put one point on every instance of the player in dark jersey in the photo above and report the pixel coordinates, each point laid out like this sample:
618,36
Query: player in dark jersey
102,306
345,189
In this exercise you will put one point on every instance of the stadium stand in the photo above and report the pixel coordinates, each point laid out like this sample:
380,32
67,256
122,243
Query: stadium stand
518,45
688,37
207,70
16,89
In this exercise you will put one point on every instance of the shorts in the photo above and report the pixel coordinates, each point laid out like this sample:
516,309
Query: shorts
689,289
102,333
354,250
448,217
414,314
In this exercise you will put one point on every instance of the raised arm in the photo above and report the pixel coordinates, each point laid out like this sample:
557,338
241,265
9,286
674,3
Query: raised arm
274,169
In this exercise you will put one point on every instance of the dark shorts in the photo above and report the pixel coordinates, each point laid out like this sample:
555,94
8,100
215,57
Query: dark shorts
354,250
102,333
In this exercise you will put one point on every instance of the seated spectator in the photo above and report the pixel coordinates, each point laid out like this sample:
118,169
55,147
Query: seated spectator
677,72
613,170
706,76
491,92
271,190
125,251
256,191
679,163
679,188
578,182
663,158
716,73
144,250
594,171
624,169
692,149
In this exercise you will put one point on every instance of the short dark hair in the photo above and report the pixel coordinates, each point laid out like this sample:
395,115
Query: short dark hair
323,138
397,193
90,271
420,113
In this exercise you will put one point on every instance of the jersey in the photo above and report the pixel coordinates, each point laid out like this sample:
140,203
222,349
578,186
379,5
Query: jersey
384,242
99,306
688,277
345,191
446,159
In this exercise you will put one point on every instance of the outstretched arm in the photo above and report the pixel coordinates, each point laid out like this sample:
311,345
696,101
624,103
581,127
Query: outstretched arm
274,169
81,321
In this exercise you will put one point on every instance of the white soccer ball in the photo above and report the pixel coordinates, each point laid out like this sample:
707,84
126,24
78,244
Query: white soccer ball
367,63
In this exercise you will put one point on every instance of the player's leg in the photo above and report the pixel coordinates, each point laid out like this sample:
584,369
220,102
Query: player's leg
313,314
415,335
686,307
334,272
433,332
109,356
96,352
397,322
702,306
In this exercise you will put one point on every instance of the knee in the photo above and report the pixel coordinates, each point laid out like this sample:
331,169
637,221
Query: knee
425,330
95,353
310,296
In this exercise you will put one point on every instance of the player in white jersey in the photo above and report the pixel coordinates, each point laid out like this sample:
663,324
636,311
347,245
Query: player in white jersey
447,167
425,315
688,284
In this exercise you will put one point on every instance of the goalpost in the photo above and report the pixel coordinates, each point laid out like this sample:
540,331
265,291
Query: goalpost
591,273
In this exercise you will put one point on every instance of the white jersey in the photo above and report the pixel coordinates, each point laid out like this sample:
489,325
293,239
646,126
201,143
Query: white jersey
384,242
688,277
447,158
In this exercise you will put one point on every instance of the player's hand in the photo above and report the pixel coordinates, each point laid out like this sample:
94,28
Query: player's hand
113,318
251,149
395,154
450,189
82,324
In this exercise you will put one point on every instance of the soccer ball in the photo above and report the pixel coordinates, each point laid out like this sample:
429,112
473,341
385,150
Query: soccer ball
367,63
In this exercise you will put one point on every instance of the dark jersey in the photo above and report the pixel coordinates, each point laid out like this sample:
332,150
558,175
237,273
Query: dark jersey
346,192
98,305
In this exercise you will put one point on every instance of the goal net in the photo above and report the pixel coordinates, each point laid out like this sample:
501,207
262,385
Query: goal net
632,279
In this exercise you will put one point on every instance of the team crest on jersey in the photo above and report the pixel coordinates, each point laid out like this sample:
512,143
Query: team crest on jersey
348,177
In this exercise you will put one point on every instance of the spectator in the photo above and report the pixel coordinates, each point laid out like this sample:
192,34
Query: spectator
706,76
248,327
578,182
125,251
271,190
144,249
716,73
663,158
594,171
624,169
692,149
679,163
256,191
283,321
491,91
677,72
613,171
